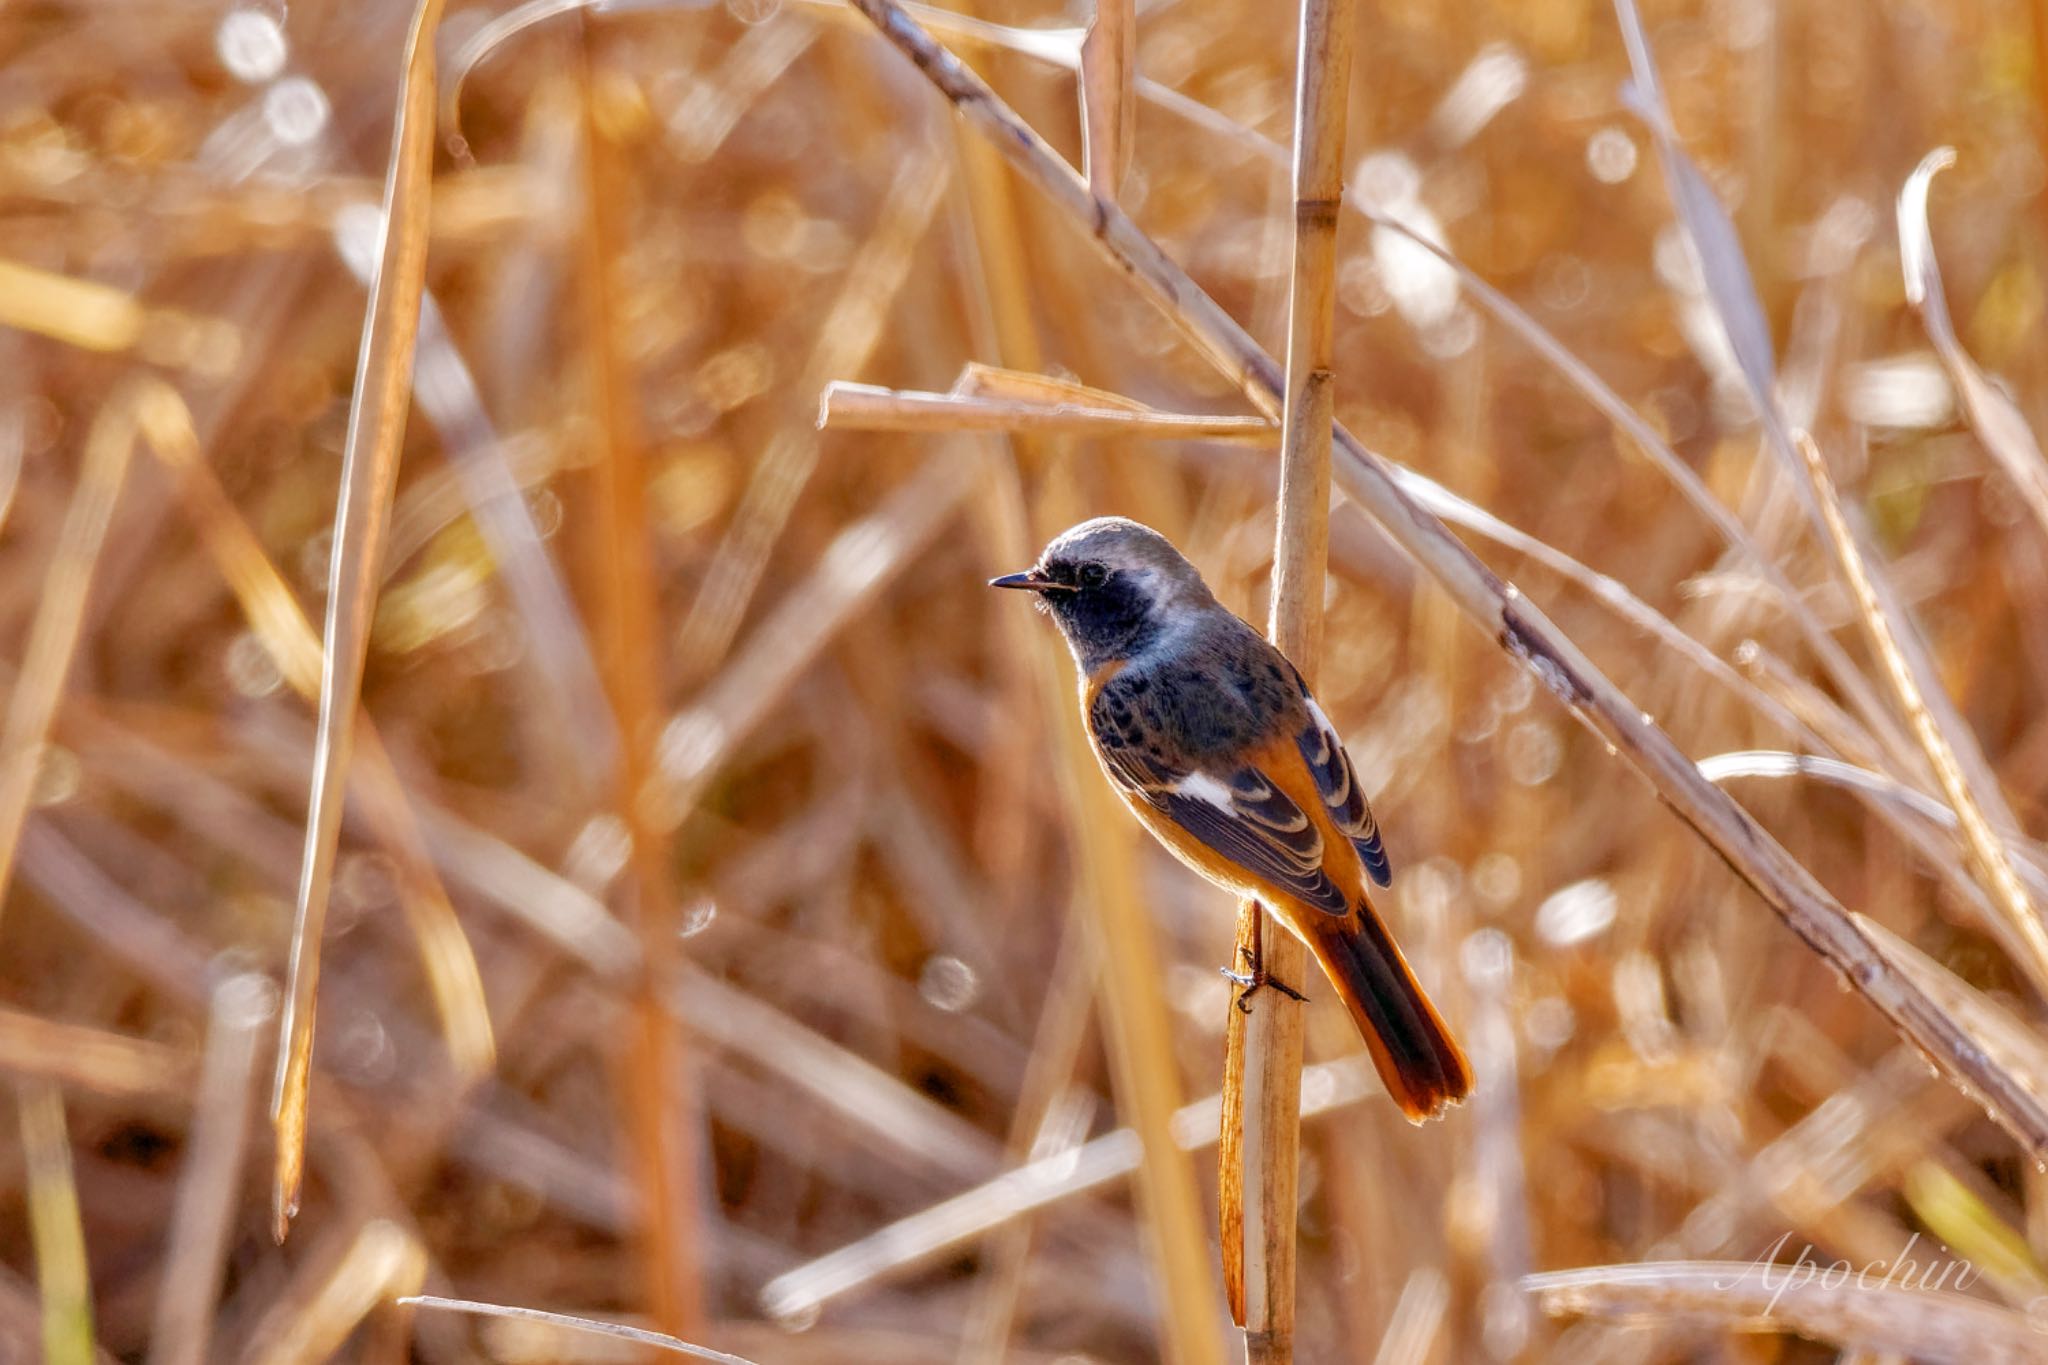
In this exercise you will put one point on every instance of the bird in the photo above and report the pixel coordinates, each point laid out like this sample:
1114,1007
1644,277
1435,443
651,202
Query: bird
1215,743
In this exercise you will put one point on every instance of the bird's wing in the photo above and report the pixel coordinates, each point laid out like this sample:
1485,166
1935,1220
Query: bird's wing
1338,785
1240,814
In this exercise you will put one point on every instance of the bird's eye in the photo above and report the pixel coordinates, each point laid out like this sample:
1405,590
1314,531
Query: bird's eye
1093,575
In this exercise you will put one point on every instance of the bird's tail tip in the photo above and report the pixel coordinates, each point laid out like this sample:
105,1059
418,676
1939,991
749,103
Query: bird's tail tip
1422,1066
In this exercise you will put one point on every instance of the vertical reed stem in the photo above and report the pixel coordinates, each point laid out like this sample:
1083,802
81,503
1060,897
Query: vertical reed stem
1262,1076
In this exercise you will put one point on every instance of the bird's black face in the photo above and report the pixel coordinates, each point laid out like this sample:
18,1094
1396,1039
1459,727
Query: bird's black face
1105,611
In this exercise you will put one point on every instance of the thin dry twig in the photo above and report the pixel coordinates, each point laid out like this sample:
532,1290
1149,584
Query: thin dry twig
1507,617
1259,1163
369,472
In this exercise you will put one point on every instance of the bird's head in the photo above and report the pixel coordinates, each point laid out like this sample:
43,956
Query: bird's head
1113,586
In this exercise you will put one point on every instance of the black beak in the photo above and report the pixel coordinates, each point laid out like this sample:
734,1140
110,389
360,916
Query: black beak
1031,580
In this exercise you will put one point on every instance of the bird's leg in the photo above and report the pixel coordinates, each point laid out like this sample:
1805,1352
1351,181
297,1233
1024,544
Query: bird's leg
1254,974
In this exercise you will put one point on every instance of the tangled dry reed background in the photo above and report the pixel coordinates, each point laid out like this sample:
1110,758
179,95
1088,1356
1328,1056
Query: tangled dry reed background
725,937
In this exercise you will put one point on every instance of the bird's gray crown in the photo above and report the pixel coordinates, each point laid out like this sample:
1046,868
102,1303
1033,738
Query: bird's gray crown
1122,545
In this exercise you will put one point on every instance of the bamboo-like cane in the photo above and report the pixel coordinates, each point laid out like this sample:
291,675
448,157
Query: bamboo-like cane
1508,618
1259,1163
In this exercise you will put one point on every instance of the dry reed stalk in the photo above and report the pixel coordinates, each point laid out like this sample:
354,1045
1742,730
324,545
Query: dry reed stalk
60,618
1260,1158
369,472
866,407
654,1083
1109,65
1054,46
1509,619
1981,843
1417,1320
62,1278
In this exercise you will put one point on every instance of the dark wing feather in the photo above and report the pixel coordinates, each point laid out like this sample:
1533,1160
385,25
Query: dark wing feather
1341,793
1252,823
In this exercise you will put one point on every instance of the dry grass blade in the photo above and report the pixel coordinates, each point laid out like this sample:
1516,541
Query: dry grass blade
369,473
2028,859
1417,1320
1731,291
91,1059
1261,1155
1922,1323
848,335
1992,415
1981,843
1109,64
58,1237
82,313
866,407
60,618
332,1295
100,317
195,1261
1136,1024
275,616
931,1137
663,1123
617,1331
1506,616
853,568
1040,1183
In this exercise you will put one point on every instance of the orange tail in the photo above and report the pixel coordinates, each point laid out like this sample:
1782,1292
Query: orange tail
1422,1067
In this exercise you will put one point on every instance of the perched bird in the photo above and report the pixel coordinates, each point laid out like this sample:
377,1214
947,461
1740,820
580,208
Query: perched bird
1212,739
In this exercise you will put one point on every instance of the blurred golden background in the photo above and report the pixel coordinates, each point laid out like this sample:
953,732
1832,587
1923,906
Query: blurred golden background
717,939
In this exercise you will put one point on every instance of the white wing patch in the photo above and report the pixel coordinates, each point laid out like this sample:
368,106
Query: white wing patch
1202,787
1322,721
